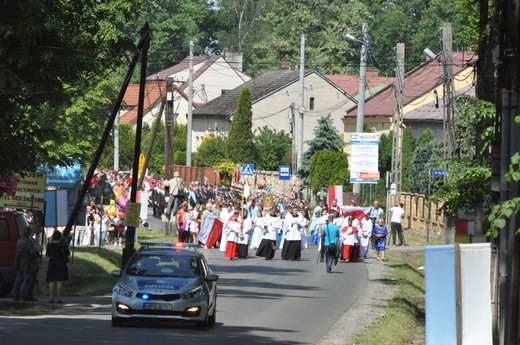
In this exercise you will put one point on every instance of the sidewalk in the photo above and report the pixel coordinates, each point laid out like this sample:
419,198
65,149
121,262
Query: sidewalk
367,310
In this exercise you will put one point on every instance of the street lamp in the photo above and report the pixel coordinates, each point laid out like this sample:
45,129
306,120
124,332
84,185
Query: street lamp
356,189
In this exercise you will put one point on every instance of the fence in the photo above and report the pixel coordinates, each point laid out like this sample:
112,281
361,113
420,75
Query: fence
420,214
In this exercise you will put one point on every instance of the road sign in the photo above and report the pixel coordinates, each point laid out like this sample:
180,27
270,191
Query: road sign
284,172
438,172
247,170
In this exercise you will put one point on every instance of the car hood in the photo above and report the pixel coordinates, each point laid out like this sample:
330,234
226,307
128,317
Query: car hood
159,284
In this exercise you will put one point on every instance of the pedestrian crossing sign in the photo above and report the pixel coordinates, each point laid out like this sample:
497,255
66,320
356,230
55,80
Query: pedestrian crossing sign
248,169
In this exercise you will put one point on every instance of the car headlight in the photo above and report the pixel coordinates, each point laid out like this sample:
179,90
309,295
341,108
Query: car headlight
123,290
197,292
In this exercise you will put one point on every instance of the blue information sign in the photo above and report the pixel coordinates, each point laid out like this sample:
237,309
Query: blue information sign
247,170
438,172
284,172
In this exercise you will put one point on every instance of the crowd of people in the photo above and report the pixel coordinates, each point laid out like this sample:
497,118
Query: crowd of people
341,234
247,224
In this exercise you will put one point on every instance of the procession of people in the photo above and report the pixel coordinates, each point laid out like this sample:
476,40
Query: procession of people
244,227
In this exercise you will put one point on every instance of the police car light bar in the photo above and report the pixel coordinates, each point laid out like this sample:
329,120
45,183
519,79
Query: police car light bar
169,245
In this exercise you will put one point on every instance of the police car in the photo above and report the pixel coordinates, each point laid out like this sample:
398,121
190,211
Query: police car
165,282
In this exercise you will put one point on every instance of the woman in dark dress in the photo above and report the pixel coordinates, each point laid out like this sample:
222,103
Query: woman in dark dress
57,272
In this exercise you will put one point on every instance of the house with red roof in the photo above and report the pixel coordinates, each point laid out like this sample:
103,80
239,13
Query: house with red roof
422,97
212,77
350,83
275,98
155,93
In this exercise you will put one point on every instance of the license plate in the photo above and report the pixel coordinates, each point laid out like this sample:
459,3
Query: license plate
157,306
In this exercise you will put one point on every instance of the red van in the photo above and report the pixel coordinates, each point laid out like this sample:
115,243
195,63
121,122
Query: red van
11,222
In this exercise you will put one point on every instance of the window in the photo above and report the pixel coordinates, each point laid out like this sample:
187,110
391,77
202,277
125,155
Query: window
311,103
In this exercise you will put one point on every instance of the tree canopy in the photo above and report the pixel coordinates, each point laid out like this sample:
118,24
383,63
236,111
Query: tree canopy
52,55
326,138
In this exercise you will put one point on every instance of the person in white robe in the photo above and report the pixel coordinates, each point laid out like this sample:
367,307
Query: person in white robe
365,233
292,247
272,224
258,227
224,216
243,238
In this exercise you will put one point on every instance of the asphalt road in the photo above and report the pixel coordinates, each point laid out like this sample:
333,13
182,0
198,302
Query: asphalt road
259,302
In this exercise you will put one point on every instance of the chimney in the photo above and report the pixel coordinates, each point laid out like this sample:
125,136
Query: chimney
286,65
234,59
372,74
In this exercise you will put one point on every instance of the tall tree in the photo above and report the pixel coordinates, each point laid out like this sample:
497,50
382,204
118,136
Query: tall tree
245,23
329,168
240,146
424,159
272,148
325,22
326,138
51,53
211,151
173,24
409,143
126,149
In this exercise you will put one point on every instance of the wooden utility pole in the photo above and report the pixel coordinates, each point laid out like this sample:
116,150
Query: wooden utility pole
449,137
397,138
129,248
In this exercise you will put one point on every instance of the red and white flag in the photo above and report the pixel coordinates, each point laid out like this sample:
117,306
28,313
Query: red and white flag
210,231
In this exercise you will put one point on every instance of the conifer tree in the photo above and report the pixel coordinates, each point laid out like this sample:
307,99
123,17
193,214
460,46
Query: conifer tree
326,138
240,145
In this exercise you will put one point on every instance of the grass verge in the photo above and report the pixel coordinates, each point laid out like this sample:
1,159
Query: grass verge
404,319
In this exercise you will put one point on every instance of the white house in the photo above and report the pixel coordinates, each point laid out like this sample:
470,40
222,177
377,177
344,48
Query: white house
275,98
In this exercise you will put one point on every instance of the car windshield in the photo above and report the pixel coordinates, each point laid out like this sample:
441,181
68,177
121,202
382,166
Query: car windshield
152,265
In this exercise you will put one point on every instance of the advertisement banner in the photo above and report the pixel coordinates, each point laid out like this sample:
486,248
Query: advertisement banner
364,158
30,192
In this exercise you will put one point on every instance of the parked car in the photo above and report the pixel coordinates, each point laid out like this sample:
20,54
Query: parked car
11,222
165,282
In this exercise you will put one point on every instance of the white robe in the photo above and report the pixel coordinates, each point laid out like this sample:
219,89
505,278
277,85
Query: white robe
232,230
224,218
292,230
243,237
274,224
258,228
365,232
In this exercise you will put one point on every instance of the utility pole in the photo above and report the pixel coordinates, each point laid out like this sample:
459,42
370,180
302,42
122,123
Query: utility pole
301,109
168,138
356,188
190,108
116,142
507,132
292,127
449,137
447,53
397,139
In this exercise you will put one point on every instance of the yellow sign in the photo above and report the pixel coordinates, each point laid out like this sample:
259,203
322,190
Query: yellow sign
29,194
133,210
141,163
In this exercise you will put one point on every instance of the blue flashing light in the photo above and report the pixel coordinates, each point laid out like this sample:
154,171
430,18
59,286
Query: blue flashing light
145,296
